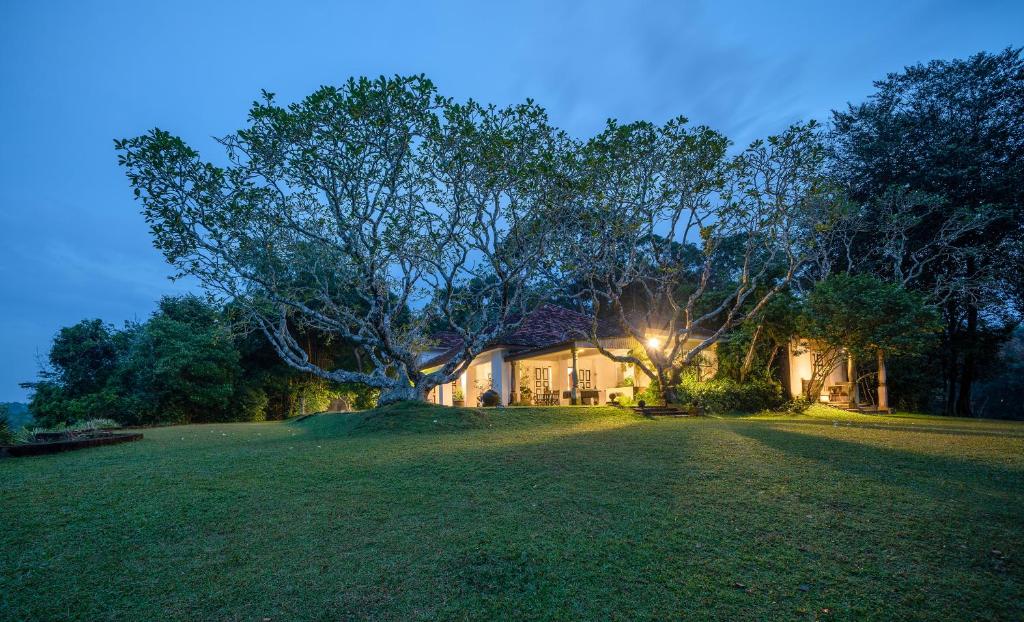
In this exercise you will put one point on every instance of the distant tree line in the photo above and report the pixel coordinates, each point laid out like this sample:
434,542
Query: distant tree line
187,363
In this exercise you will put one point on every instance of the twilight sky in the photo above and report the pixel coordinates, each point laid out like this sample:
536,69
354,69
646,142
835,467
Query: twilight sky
75,75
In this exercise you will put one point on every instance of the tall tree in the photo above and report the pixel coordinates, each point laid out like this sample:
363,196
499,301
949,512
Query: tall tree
673,235
73,384
934,159
362,212
180,366
867,318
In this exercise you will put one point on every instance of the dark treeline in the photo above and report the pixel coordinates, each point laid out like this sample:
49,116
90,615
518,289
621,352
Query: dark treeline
931,170
187,363
934,163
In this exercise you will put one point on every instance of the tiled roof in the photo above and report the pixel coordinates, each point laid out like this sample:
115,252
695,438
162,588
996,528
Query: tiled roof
547,325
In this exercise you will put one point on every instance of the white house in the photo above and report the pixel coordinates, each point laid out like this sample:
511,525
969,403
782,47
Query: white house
535,363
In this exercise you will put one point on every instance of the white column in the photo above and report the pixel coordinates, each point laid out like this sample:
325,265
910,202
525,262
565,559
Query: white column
497,373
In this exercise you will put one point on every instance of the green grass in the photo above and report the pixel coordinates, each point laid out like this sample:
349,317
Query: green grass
571,513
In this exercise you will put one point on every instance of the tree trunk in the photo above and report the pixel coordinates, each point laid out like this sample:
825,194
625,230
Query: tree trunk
575,393
963,400
951,358
409,393
771,358
883,390
669,395
851,378
748,360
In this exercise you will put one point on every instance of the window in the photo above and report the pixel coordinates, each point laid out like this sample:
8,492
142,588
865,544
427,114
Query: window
583,380
542,379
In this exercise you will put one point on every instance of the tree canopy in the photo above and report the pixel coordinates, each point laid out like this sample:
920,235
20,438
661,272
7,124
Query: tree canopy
379,214
933,161
364,211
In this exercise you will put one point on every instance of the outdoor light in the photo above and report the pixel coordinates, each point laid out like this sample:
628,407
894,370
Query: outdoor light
653,343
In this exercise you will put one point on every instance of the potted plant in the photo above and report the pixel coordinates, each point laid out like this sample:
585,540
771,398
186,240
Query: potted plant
490,398
458,399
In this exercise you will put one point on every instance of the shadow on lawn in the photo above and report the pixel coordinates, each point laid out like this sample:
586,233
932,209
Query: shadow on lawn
899,427
891,466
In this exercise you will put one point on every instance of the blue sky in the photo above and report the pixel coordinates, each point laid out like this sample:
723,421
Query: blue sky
75,75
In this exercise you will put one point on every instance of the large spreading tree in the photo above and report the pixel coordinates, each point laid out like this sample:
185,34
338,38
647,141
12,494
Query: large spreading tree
377,212
673,236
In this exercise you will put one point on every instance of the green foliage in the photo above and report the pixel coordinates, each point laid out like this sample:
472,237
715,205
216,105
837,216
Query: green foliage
87,425
250,404
773,328
182,365
796,405
999,395
863,314
945,138
83,356
82,360
725,395
6,435
650,395
447,195
47,403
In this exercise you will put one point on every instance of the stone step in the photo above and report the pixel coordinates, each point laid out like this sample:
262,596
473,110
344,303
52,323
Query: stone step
665,411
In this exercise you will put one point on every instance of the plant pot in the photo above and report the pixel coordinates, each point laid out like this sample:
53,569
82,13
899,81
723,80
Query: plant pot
490,398
458,403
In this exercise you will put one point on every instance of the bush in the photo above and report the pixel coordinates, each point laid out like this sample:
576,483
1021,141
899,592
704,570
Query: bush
94,424
797,405
720,395
650,396
251,404
6,437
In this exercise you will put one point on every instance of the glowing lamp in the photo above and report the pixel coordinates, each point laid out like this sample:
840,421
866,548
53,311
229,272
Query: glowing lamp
654,343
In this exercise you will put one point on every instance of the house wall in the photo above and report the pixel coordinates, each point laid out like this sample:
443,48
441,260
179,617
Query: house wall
526,373
490,370
800,359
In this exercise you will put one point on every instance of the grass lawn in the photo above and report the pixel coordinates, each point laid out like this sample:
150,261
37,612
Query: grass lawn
568,513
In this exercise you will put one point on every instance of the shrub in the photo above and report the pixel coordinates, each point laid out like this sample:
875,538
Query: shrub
726,395
797,405
94,424
6,437
650,396
251,404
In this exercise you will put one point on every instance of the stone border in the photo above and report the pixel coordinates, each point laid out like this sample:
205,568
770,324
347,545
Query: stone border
53,447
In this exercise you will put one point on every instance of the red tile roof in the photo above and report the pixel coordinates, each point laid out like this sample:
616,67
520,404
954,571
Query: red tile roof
546,326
